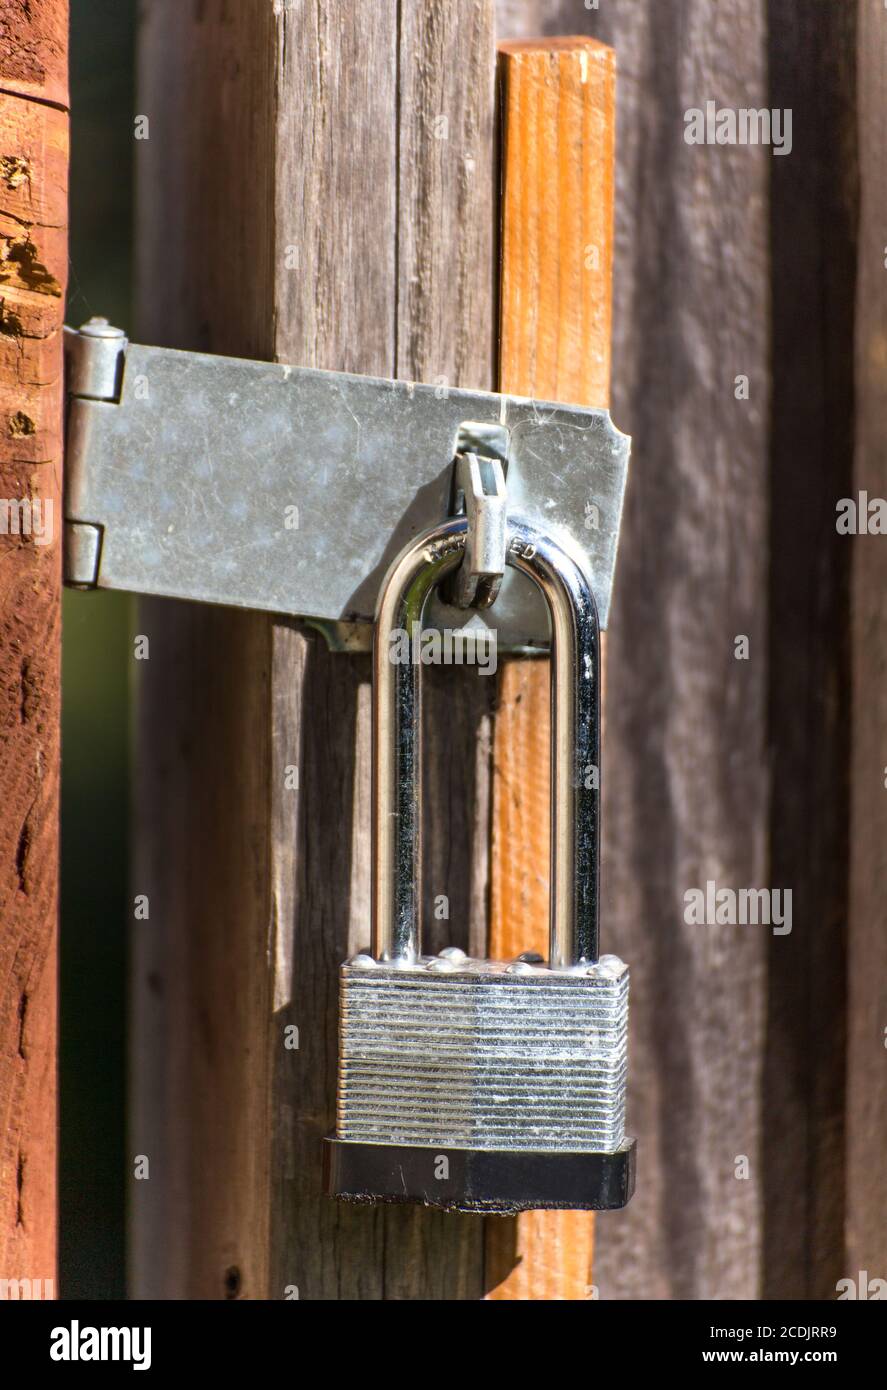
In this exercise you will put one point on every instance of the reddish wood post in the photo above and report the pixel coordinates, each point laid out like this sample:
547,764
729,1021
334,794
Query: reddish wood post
559,109
33,264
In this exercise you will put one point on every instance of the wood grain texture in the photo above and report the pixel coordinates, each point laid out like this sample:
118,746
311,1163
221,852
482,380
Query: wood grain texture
33,272
34,50
866,1210
686,755
558,130
200,1057
434,237
308,134
813,255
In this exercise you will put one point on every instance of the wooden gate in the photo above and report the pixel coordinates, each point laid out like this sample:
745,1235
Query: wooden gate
369,188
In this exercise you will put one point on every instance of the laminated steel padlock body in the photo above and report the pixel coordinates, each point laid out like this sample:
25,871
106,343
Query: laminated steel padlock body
515,1073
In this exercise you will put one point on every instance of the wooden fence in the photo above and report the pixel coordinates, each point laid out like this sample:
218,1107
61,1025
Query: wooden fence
296,202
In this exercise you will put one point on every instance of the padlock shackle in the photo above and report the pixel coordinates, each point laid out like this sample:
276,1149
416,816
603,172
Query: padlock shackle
575,741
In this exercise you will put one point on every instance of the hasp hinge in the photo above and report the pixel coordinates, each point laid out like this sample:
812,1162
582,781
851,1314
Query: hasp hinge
290,490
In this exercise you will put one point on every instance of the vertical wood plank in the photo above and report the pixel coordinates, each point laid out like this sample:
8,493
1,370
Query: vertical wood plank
33,272
867,953
446,334
441,330
262,876
813,253
558,119
200,1063
686,752
337,210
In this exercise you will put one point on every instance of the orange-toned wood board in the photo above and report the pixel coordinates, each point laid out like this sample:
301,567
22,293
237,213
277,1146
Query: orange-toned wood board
558,123
33,267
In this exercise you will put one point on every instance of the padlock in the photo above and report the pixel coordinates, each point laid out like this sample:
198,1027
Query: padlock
475,1085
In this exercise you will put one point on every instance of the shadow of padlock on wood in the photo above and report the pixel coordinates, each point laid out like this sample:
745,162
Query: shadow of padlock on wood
474,1085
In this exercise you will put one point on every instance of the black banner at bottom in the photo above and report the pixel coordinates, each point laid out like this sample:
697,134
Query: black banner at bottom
263,1339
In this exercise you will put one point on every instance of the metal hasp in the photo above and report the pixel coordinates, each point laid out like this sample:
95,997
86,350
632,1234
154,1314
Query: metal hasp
479,484
291,490
513,1073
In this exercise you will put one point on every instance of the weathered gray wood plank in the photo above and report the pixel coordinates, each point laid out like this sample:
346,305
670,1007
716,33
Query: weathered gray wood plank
336,207
446,333
685,752
438,302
